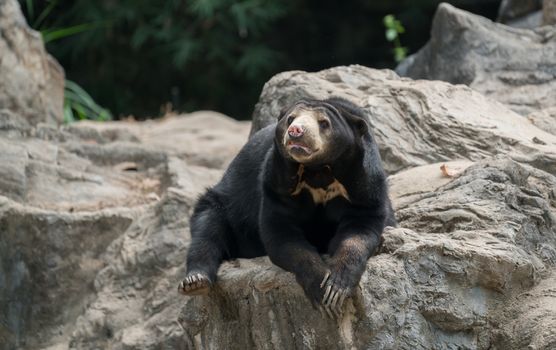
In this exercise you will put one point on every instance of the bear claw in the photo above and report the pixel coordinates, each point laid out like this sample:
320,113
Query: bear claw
195,284
333,298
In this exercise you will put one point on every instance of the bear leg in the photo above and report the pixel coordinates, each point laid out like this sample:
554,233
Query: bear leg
210,245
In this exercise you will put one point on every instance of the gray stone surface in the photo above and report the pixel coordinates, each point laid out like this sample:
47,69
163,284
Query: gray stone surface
530,21
531,319
93,227
514,9
514,66
416,122
549,12
544,119
32,82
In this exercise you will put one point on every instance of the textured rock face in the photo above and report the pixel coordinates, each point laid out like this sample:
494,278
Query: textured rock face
93,227
514,66
530,319
32,83
544,119
549,12
514,9
416,122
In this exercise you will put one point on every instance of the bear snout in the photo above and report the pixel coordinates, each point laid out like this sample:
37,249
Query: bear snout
295,131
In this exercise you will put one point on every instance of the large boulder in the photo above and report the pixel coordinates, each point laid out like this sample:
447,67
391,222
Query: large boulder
513,9
93,226
416,122
514,66
544,119
31,81
549,12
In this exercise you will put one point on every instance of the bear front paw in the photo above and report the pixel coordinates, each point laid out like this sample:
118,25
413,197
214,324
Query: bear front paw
336,288
195,284
325,293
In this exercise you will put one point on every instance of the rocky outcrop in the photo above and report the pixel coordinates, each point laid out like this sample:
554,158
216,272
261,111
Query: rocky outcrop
514,66
544,119
32,83
521,13
416,122
93,226
528,321
514,9
549,12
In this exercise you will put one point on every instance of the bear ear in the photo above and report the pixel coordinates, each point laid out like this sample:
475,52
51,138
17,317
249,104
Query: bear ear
352,113
359,124
362,126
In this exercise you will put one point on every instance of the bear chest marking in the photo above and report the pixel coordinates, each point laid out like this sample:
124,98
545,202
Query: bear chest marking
322,186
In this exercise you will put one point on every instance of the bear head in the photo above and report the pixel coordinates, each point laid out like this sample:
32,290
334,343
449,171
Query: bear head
318,132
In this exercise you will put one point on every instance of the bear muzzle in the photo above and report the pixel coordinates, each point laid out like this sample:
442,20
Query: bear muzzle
302,139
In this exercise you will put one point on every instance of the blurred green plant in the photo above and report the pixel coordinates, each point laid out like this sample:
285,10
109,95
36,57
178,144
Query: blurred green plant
137,55
78,104
134,56
392,33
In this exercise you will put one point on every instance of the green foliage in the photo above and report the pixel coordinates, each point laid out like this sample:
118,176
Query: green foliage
49,35
79,105
134,56
393,30
137,55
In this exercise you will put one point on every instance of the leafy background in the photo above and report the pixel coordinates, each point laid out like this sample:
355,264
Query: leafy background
143,57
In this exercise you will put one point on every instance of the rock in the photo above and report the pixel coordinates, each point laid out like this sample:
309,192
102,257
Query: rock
93,227
205,138
441,288
409,184
530,21
513,66
416,122
513,9
544,119
549,12
32,82
48,262
532,319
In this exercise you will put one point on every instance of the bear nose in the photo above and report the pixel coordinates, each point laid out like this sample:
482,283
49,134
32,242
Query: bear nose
295,131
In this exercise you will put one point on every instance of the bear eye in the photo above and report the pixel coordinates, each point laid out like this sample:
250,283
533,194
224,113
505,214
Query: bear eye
324,124
290,119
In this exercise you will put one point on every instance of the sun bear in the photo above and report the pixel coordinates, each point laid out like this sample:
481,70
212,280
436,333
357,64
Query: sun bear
311,184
